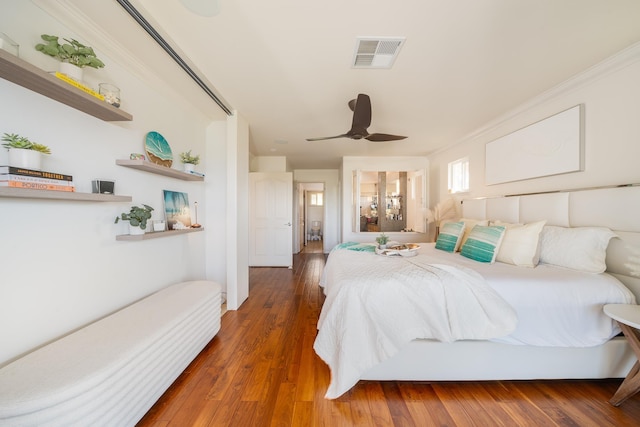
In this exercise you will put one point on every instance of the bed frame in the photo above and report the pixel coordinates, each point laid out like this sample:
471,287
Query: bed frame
617,208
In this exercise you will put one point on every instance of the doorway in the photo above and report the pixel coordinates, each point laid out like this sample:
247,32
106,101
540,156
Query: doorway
311,215
270,222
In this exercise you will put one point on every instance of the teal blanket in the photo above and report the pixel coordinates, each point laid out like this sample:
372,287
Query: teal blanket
355,246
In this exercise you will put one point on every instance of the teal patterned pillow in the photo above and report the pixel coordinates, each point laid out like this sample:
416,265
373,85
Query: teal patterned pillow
483,243
450,236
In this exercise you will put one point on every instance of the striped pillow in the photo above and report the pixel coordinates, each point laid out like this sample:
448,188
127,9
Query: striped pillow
483,243
450,236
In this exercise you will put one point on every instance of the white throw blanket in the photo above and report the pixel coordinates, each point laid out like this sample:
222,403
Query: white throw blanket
375,305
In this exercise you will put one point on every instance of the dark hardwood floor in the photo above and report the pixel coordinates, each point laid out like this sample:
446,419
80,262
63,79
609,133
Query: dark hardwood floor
261,370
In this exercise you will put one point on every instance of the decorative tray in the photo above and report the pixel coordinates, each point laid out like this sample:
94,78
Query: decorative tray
399,249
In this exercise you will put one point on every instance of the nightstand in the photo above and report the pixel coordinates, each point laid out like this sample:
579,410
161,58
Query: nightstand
628,317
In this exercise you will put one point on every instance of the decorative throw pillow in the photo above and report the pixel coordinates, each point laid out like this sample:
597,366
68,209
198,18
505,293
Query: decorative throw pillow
483,243
579,248
450,236
521,244
468,226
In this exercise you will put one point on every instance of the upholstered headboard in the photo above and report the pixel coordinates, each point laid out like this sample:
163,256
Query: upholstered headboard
617,208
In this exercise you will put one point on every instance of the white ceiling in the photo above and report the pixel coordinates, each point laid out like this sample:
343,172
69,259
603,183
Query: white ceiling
285,65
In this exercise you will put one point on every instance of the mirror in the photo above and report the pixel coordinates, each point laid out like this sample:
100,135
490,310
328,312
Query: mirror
389,201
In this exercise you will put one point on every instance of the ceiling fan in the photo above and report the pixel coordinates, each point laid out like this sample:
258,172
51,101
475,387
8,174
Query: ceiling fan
361,108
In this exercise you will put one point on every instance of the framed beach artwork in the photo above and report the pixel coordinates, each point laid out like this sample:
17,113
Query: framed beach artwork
176,210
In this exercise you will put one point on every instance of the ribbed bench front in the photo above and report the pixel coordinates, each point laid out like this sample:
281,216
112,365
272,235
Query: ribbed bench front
111,372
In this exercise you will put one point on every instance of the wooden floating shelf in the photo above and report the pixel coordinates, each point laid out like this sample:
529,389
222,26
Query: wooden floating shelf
61,195
147,166
157,234
29,76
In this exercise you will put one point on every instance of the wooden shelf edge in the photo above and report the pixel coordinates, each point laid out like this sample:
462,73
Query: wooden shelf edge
61,195
29,76
156,234
147,166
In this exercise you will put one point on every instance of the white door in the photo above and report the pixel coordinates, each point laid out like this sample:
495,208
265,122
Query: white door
270,230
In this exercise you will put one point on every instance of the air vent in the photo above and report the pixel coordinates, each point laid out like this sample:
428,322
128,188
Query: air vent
376,52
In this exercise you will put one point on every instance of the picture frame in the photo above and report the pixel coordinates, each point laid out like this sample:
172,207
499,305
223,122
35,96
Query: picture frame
552,146
176,210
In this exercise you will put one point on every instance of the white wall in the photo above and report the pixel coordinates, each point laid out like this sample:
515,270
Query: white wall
610,93
216,196
331,180
237,210
61,265
269,164
351,164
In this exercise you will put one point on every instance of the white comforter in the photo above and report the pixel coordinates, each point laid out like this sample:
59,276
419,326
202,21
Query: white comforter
363,321
380,306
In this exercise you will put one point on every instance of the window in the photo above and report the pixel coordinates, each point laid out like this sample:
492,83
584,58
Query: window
315,199
459,176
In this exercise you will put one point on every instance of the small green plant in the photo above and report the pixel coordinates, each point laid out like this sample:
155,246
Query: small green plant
188,158
72,52
137,216
382,239
13,140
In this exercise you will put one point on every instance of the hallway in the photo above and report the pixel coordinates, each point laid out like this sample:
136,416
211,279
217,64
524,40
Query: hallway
312,247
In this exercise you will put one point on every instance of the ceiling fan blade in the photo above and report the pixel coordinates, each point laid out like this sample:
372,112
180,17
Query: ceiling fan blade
383,137
361,115
328,137
361,108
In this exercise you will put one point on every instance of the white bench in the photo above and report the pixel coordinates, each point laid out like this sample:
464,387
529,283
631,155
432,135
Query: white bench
111,372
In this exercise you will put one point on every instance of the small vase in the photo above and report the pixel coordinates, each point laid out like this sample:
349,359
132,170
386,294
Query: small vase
27,159
73,71
135,230
111,93
189,167
382,246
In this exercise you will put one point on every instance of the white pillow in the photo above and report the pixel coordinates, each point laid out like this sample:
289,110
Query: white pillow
468,226
521,244
580,248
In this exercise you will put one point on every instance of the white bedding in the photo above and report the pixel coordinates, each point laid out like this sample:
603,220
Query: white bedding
375,308
367,319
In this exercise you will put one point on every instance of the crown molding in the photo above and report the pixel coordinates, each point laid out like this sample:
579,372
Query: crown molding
69,14
613,64
77,21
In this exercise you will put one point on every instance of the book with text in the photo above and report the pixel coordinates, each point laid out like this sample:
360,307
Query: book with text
30,172
37,186
24,178
80,86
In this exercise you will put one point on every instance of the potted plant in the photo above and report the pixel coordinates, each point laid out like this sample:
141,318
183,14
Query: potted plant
137,217
24,153
73,55
382,240
189,160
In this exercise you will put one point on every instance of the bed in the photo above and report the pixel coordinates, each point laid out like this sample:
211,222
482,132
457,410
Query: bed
489,321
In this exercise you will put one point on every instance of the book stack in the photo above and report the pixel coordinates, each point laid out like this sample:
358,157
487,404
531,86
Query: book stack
15,177
80,86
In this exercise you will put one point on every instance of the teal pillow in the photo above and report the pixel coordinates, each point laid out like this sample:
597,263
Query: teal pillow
483,243
450,236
